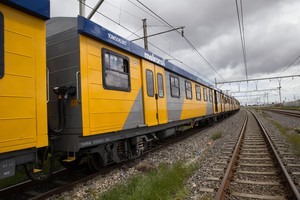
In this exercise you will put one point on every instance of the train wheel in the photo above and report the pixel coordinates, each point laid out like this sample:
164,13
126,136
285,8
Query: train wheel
42,169
95,162
69,165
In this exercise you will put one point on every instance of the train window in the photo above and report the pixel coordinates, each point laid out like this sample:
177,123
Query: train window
1,45
150,83
116,75
175,89
205,94
198,92
188,90
210,95
160,85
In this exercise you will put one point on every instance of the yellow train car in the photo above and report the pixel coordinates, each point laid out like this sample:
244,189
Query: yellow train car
23,116
219,102
109,98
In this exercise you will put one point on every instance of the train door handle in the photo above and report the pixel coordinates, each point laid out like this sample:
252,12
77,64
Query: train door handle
47,81
77,86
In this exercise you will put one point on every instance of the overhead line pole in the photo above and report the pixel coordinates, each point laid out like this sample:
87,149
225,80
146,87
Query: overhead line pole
145,33
193,47
82,8
253,91
258,79
158,33
94,10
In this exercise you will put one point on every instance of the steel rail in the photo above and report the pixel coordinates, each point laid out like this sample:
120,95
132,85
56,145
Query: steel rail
285,112
225,181
279,161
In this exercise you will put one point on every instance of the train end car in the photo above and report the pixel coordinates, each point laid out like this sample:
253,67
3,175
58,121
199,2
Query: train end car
96,96
23,116
110,98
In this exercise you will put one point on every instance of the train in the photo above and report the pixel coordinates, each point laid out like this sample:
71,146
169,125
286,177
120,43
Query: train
71,90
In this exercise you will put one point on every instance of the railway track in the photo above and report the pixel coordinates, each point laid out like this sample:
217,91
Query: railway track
285,112
256,169
65,180
252,164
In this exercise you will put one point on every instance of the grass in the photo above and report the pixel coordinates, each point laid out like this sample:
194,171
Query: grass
216,135
288,107
281,128
167,183
292,138
207,197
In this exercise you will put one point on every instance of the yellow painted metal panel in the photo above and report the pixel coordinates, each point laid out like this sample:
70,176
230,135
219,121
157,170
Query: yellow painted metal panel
23,117
17,108
219,102
40,86
104,110
15,130
84,85
13,66
150,107
17,86
192,107
161,102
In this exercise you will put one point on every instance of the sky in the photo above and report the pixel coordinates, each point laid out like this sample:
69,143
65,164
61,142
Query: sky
271,30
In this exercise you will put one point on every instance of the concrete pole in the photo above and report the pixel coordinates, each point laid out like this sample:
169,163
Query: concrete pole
279,88
95,9
145,33
82,8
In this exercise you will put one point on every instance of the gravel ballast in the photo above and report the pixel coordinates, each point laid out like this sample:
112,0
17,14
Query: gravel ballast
211,157
193,149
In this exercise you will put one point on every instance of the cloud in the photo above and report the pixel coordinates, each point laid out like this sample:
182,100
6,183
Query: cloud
272,32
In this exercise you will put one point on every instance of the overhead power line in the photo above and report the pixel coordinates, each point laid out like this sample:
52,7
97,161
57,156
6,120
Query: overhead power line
133,33
288,66
240,17
291,64
187,40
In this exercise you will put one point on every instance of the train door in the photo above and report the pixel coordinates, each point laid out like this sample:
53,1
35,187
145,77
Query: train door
154,94
216,101
223,103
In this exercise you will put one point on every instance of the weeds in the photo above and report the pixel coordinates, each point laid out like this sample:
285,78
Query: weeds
281,128
216,135
292,138
164,183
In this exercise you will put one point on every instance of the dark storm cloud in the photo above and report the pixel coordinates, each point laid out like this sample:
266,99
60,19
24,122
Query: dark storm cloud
212,27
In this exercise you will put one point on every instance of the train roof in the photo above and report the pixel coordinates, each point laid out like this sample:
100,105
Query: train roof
86,26
39,8
94,30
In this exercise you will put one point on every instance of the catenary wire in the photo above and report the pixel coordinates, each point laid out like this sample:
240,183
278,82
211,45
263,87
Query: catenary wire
241,33
139,36
187,40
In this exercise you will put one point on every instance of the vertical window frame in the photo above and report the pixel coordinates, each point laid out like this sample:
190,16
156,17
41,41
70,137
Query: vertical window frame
205,97
210,95
198,92
171,86
188,89
105,69
160,87
1,45
147,83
